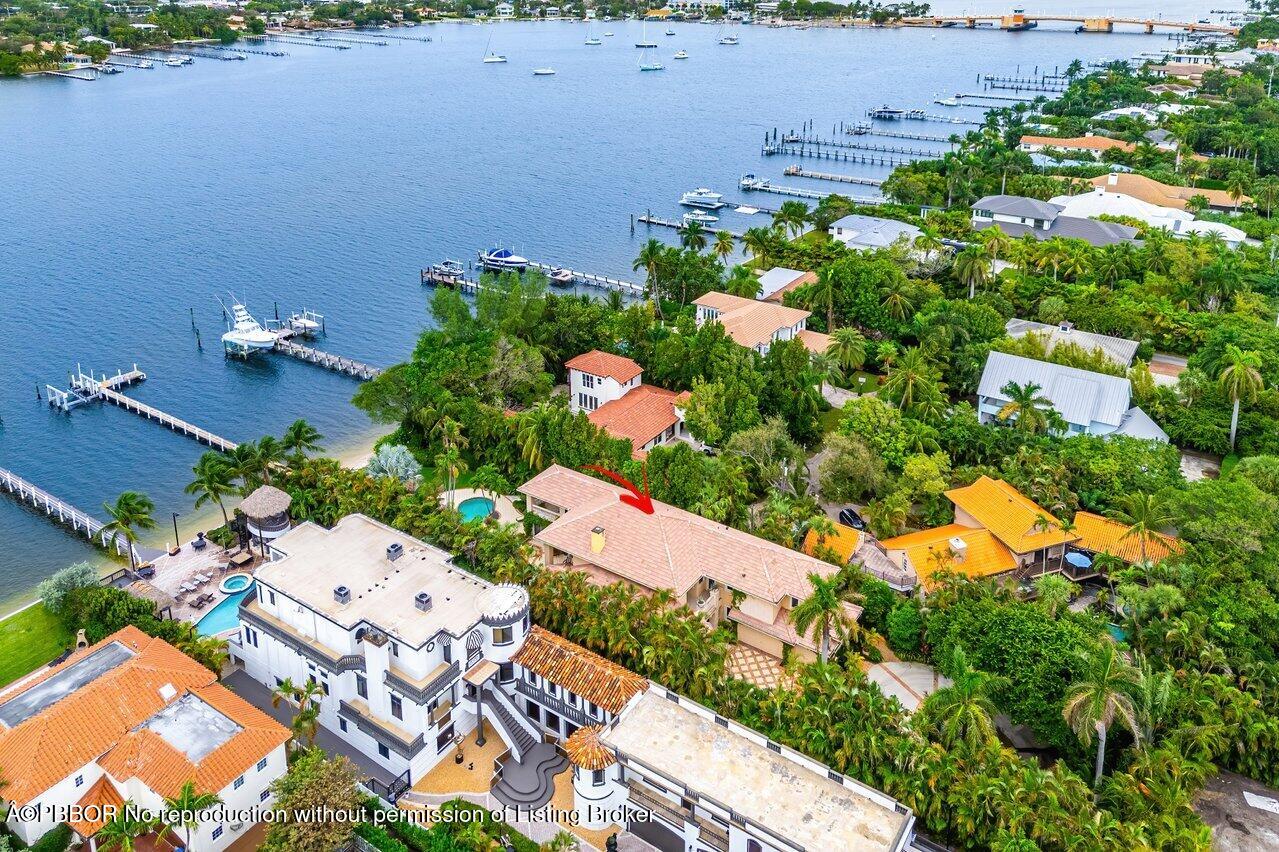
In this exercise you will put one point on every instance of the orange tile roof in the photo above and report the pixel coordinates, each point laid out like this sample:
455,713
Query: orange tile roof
844,542
578,670
585,749
800,281
95,805
100,721
669,549
748,321
782,628
1153,192
985,555
599,363
1090,143
1006,512
814,341
1102,535
639,415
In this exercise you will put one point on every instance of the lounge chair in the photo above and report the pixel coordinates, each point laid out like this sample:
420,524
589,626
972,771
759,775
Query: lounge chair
198,603
187,587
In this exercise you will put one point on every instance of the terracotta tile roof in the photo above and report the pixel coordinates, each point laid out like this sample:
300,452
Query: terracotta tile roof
782,628
844,542
101,721
1102,535
669,549
599,363
585,749
1008,514
814,341
589,675
749,322
98,801
639,415
1089,143
1153,192
984,556
800,281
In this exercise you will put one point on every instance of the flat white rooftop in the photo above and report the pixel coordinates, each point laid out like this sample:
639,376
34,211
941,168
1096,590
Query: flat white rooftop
192,727
737,771
383,591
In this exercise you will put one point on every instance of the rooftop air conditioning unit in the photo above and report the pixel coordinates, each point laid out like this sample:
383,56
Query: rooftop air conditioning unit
423,601
394,551
342,595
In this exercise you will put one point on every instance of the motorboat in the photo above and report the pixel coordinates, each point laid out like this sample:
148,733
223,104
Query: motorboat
561,277
494,57
670,32
645,45
702,197
729,40
448,268
651,66
699,217
607,35
500,259
246,335
593,41
306,324
543,72
946,101
681,55
174,63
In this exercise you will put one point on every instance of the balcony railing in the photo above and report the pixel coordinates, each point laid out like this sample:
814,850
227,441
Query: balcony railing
435,683
574,714
305,646
393,738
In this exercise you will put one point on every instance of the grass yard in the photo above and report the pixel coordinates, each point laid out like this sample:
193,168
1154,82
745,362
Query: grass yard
28,640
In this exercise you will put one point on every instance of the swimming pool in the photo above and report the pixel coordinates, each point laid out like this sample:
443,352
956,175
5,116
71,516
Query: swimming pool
225,616
235,583
475,508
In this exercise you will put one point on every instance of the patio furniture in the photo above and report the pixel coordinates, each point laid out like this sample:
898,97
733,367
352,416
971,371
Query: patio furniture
187,587
200,541
242,560
147,571
198,603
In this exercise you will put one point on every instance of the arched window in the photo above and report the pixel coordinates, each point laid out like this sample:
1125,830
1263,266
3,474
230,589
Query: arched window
753,845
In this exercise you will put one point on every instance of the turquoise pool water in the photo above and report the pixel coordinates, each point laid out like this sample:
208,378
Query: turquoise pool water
224,616
237,583
1119,634
475,508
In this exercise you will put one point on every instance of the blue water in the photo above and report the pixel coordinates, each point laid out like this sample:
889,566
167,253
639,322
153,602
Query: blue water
224,616
237,582
475,508
327,178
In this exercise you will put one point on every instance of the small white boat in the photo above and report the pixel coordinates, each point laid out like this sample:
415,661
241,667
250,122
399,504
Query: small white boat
946,101
174,63
729,40
670,32
543,72
645,45
702,197
699,217
681,55
246,335
607,35
593,41
494,57
652,66
561,277
502,259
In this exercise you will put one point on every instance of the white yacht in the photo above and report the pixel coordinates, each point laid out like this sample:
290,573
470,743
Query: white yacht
246,335
500,259
607,35
702,197
593,41
681,55
174,63
729,40
699,217
494,57
543,72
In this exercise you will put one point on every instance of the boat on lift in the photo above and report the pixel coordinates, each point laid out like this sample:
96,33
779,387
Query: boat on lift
246,335
561,277
702,197
699,217
174,63
502,260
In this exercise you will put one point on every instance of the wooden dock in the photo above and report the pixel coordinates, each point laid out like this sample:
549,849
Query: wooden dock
328,360
591,278
752,184
868,159
896,134
66,514
177,424
69,399
862,146
800,171
650,219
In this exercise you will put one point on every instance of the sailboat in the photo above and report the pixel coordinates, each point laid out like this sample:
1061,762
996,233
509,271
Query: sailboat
644,43
590,36
490,56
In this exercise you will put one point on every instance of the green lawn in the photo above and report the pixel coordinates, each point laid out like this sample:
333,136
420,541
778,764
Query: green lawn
28,640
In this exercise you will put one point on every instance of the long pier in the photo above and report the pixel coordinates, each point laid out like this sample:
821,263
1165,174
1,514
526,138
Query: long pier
343,40
800,171
66,514
1018,21
590,278
843,156
328,360
650,219
177,424
288,39
860,146
917,115
858,130
984,96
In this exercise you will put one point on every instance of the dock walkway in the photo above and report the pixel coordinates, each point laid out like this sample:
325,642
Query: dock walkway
800,171
328,360
591,278
845,156
66,514
650,219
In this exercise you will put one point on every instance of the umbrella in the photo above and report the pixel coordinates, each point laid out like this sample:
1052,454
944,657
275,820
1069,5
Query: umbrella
1078,560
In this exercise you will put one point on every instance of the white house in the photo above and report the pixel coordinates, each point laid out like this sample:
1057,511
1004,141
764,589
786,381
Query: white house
611,390
1120,350
871,232
596,378
551,13
504,11
1102,201
758,325
132,719
1090,403
1016,215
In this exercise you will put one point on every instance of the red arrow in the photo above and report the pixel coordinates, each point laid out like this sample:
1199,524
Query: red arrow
639,499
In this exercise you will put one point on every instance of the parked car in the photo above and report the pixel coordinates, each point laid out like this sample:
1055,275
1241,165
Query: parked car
850,517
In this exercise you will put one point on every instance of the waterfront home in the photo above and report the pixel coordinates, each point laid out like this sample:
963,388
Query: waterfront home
1103,201
504,11
551,13
1152,191
400,640
132,719
1137,112
1016,215
997,531
778,281
1117,349
861,549
1088,144
1089,403
1192,72
719,572
863,233
611,390
757,325
1101,535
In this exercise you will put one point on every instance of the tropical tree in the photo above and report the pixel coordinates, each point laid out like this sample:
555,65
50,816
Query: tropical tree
825,367
742,282
306,719
301,438
1240,379
1266,192
723,246
187,806
1145,515
972,268
489,480
791,217
1101,695
1027,409
897,303
1237,187
848,345
650,259
1054,592
822,613
961,714
758,241
268,454
913,377
122,831
532,426
692,236
131,511
450,463
214,480
821,294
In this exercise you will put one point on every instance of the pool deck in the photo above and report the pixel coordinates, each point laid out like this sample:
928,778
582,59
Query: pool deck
172,572
506,511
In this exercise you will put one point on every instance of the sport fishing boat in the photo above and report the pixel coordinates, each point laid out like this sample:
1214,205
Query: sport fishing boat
246,335
500,260
699,217
702,197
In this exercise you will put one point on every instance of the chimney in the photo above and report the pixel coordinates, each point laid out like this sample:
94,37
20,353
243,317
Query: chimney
81,642
423,601
1112,179
394,551
958,548
342,595
597,539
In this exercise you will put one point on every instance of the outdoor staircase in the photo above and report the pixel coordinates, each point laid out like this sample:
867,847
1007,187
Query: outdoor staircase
518,735
530,783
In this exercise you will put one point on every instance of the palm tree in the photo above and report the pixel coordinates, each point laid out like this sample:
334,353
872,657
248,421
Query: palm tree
849,346
996,243
214,479
245,465
823,612
450,463
898,304
1145,515
650,259
910,379
742,282
449,433
489,480
826,368
1240,378
1051,253
301,438
125,827
692,236
1237,187
757,242
791,217
972,268
131,511
1101,695
927,243
962,712
532,426
723,245
1030,412
1266,192
821,294
269,453
188,804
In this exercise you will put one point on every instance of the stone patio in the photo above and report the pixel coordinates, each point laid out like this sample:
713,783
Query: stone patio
172,572
909,683
754,666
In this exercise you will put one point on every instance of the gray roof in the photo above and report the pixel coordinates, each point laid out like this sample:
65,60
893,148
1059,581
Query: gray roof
1137,424
1017,205
1080,396
1117,349
1158,135
1091,231
873,231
